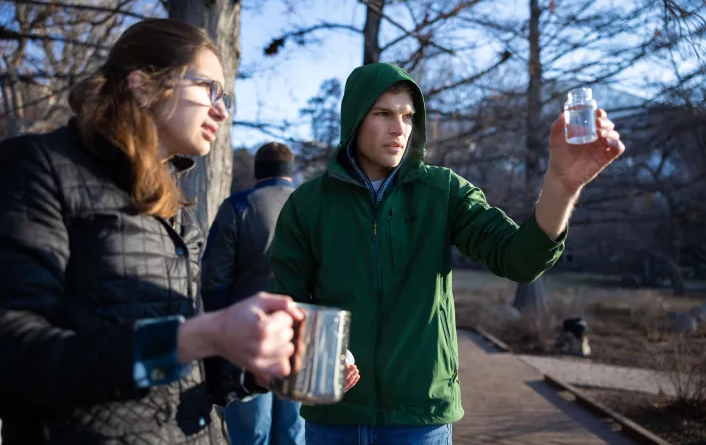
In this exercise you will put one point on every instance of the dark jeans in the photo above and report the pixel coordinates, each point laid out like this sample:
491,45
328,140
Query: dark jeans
377,435
264,420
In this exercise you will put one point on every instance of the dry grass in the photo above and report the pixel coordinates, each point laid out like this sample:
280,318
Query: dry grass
685,364
627,326
655,413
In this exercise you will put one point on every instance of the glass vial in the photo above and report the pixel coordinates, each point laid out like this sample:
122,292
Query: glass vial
580,116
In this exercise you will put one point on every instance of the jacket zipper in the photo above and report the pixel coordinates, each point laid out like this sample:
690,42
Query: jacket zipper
196,301
378,385
377,198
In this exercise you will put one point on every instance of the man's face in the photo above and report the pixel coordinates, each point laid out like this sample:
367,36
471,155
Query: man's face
383,134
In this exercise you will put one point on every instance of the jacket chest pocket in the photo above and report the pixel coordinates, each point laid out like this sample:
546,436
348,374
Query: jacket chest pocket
345,271
415,236
401,236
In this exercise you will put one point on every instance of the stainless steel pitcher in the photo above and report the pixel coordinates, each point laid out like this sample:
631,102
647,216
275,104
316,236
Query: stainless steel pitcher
318,362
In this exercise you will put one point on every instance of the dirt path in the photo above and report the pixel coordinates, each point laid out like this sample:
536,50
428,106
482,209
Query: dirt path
507,403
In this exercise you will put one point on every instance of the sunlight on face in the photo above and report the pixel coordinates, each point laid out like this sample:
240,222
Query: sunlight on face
191,120
383,135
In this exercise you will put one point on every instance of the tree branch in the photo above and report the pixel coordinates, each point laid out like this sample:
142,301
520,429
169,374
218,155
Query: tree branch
423,39
275,44
267,129
8,34
33,76
503,58
55,4
428,23
36,101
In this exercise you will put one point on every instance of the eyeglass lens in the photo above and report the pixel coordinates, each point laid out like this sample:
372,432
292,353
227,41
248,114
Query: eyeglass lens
217,93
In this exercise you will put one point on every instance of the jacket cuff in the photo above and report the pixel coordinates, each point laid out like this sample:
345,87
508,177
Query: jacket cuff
155,360
543,241
534,252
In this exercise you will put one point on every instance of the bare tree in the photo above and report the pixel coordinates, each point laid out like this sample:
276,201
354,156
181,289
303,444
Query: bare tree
376,13
371,31
430,37
45,48
656,205
210,182
322,110
529,297
478,129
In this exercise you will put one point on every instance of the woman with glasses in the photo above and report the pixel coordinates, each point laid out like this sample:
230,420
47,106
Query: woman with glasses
102,339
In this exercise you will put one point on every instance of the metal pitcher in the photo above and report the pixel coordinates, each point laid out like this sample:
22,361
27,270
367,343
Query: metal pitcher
318,362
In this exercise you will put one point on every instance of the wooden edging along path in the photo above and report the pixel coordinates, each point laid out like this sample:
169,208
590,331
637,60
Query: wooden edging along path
628,427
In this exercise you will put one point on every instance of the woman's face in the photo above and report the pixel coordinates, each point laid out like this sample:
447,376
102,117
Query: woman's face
188,120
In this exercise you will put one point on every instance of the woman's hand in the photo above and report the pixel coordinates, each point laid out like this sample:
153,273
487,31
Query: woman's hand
255,334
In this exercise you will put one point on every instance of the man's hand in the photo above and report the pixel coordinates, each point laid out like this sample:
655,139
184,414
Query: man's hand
574,166
571,167
352,377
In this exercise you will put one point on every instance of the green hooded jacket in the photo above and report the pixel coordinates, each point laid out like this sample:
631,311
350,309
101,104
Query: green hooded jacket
386,258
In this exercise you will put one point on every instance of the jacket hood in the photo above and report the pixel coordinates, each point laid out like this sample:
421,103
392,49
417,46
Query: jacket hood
363,88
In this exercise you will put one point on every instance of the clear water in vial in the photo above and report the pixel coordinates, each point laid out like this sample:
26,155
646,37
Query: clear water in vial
580,124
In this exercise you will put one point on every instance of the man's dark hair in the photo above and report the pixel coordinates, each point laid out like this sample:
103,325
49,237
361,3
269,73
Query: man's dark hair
403,85
272,160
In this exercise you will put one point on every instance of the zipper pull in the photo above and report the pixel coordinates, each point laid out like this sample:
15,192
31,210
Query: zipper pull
375,230
389,217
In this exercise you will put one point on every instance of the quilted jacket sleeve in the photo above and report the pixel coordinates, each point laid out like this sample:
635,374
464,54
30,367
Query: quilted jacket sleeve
44,367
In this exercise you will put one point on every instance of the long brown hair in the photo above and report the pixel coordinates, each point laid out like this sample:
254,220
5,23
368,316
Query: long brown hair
162,49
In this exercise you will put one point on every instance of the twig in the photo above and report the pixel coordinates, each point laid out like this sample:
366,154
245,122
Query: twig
424,40
8,34
55,4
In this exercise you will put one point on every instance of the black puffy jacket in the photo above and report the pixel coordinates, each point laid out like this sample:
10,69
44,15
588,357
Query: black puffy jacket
78,266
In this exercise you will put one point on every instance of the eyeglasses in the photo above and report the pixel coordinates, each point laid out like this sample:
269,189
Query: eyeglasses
215,90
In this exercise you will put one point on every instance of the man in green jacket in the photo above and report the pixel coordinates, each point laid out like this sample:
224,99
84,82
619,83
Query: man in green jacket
373,235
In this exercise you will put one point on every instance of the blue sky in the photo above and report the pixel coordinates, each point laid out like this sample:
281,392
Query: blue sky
279,86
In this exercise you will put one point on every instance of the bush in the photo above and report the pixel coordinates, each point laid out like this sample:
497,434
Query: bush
685,367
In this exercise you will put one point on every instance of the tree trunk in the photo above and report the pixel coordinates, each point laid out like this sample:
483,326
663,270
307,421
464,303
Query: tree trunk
535,144
12,97
209,183
12,127
675,273
371,31
677,242
530,297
